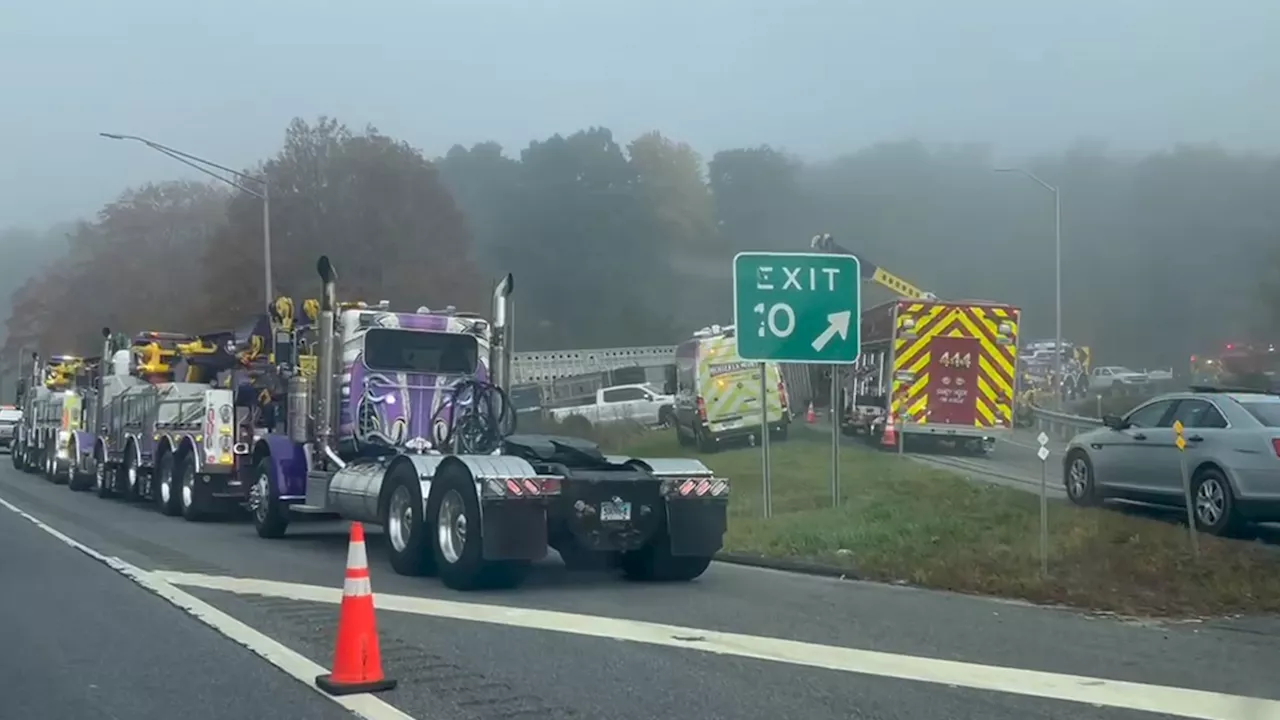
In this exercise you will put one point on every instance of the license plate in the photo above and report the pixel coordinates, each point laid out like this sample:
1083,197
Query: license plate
615,511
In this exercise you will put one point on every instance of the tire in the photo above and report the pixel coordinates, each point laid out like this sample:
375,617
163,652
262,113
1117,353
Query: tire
164,490
453,497
409,543
15,456
666,416
1079,480
1215,503
270,514
50,471
102,475
780,435
77,479
126,476
705,444
655,563
682,439
191,494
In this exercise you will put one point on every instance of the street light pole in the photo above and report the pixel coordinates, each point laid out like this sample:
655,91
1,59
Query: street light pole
1057,273
240,178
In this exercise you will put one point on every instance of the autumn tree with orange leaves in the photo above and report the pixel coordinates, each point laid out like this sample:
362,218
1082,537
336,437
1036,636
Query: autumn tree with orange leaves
373,204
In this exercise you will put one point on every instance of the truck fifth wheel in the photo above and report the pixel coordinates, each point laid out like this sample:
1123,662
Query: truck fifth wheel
402,419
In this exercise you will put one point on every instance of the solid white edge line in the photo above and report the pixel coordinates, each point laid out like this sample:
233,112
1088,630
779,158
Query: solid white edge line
292,663
1160,699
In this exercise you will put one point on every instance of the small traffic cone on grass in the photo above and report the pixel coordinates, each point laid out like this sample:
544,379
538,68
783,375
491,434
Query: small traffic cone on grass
810,416
357,661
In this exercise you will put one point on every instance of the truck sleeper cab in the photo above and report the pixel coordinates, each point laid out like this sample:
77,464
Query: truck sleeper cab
406,428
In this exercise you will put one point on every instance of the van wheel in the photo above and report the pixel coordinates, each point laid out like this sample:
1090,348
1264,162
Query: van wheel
705,444
681,438
457,541
408,538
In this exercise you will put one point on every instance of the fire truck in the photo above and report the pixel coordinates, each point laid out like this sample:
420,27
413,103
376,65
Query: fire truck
930,370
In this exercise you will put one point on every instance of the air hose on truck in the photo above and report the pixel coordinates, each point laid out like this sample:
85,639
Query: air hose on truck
477,417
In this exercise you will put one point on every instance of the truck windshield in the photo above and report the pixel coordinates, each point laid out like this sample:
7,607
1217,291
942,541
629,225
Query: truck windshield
417,351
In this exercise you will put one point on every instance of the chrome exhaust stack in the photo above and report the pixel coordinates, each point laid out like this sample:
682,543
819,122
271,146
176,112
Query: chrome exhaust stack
326,379
501,334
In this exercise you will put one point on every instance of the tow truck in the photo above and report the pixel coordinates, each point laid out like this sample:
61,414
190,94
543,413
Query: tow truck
184,444
930,370
53,403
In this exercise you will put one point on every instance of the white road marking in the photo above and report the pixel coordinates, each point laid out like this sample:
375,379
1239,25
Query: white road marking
1177,702
294,664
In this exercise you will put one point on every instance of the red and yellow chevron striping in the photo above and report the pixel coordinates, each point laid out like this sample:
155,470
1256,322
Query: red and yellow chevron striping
995,330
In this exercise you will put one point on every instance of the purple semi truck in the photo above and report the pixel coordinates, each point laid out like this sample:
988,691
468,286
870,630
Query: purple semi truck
405,423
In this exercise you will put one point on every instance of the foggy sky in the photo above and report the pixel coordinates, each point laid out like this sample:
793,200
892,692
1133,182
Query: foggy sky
221,78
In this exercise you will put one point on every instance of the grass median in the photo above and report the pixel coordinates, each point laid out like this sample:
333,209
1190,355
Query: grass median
902,521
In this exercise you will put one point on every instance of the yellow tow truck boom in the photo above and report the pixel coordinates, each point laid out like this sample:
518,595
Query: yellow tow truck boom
871,271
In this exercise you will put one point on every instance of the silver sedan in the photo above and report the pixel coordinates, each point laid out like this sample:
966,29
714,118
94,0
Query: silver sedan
1232,457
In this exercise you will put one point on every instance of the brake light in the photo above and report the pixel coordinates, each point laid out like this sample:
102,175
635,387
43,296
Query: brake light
702,409
782,396
1275,445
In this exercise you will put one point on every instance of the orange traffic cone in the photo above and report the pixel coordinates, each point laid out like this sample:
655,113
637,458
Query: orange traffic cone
810,416
357,661
889,438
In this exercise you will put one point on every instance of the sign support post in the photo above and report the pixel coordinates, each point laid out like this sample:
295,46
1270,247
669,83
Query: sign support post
836,412
1187,494
797,308
1043,454
766,483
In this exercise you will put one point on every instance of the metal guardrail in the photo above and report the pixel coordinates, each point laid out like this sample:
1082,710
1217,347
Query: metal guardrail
1061,425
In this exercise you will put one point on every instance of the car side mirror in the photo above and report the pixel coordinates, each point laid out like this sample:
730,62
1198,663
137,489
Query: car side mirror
1115,422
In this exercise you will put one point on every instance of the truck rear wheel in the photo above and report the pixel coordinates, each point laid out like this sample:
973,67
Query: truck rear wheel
195,500
102,475
15,455
165,489
655,563
408,537
453,513
270,514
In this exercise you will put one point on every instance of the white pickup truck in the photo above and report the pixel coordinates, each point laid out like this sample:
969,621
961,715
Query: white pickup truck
1112,377
640,403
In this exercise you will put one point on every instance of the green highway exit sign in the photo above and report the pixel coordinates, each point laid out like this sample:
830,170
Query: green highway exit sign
797,307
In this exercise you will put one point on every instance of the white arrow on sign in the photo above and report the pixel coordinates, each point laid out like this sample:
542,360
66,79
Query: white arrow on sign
837,323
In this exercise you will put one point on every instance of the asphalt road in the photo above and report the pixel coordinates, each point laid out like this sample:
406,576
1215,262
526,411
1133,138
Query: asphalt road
82,642
488,670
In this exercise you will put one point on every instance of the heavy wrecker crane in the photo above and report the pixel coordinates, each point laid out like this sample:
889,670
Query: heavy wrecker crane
930,369
57,402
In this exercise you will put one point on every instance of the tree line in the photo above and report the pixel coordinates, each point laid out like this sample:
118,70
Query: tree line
614,244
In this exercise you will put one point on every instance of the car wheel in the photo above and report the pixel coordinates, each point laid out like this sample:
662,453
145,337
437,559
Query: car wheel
1082,487
1214,503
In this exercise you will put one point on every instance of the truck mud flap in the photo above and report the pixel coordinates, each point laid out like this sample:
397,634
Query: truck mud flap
697,525
514,530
